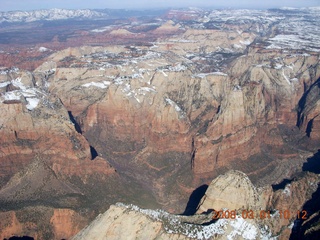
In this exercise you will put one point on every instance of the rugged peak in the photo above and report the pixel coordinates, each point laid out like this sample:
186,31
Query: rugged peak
232,190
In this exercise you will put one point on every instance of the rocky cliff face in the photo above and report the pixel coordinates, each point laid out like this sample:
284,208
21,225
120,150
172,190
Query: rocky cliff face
148,111
46,162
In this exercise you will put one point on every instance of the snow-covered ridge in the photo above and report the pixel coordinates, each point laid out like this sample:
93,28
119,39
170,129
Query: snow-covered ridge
30,94
299,30
232,228
173,225
22,87
48,15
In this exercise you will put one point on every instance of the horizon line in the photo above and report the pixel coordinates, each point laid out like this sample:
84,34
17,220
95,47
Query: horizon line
166,8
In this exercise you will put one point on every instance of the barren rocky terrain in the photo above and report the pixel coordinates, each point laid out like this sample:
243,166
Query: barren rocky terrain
155,110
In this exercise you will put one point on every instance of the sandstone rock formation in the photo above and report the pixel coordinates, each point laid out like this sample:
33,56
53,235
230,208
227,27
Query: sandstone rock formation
167,27
232,190
41,223
122,32
148,106
278,209
46,162
130,222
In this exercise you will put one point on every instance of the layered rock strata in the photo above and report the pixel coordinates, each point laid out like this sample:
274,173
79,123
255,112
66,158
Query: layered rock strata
47,164
154,114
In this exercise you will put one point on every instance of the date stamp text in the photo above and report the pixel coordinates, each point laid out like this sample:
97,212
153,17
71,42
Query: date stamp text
262,214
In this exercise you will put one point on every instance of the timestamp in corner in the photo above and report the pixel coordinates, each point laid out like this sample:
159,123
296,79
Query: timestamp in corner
262,214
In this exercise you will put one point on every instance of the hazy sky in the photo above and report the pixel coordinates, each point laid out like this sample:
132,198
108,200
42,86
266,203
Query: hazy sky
8,5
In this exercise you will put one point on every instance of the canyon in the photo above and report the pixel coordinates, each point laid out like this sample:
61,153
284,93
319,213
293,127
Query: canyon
155,111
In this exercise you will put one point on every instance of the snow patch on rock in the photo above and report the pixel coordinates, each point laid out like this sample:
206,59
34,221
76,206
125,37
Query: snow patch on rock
30,94
231,228
32,103
242,228
102,85
173,225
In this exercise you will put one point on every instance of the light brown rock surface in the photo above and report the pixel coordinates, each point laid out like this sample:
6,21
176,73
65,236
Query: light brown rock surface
232,190
125,225
130,222
277,209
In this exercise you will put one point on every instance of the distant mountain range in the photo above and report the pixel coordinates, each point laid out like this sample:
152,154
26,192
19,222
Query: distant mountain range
87,14
49,15
78,14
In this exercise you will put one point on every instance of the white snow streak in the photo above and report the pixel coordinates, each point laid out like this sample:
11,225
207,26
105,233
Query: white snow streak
103,84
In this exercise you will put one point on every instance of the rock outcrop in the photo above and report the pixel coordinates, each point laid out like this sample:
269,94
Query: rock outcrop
130,222
278,208
232,190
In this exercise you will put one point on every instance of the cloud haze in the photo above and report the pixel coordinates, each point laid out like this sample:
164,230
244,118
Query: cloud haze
8,5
